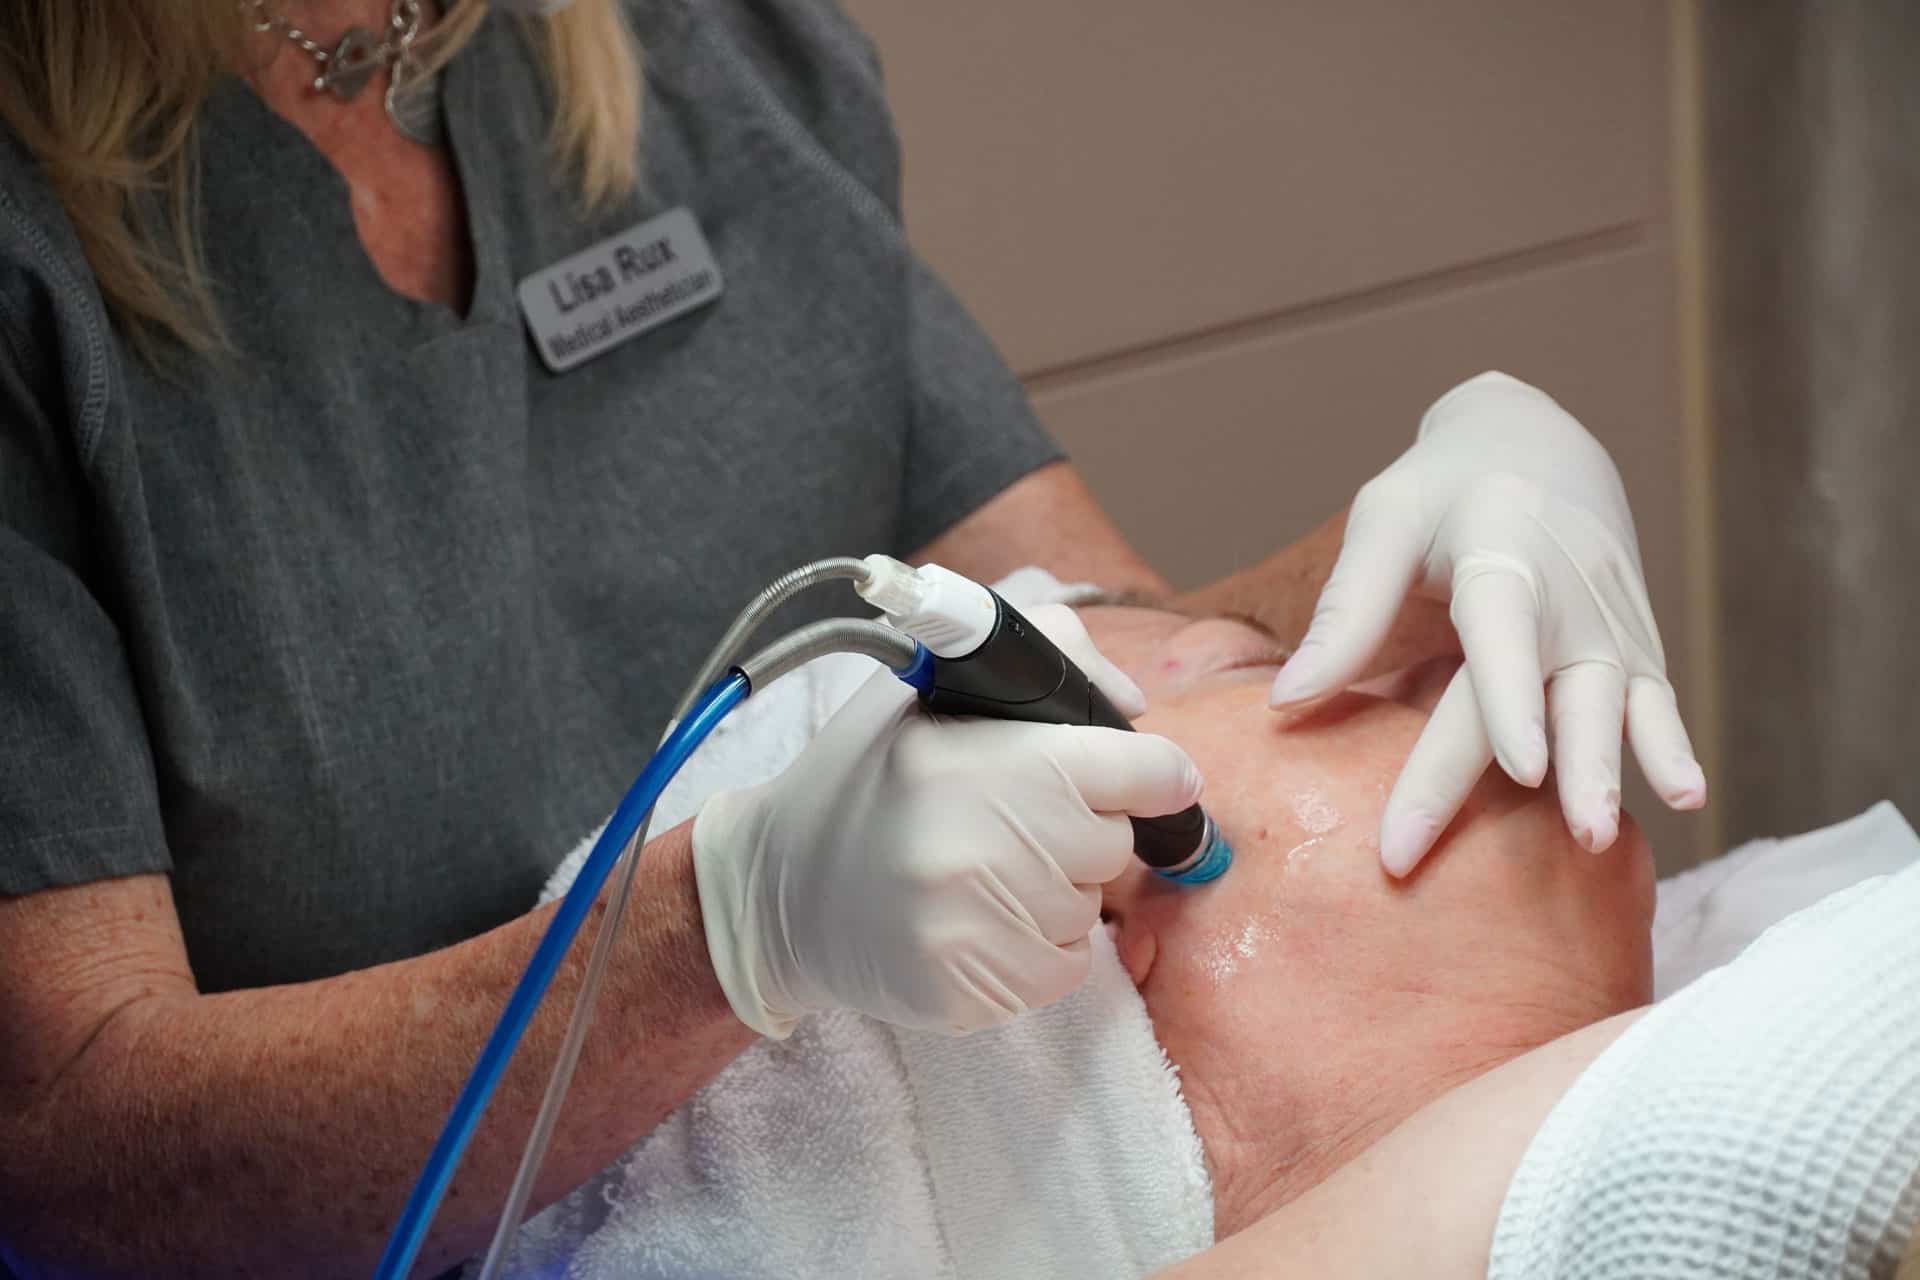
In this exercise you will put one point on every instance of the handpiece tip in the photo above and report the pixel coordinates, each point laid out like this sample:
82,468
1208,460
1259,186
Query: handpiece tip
1215,856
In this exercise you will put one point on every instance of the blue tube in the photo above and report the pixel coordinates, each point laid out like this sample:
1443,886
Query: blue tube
919,673
411,1230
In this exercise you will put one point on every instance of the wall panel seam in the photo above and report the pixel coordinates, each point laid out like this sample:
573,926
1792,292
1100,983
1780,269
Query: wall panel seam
1616,241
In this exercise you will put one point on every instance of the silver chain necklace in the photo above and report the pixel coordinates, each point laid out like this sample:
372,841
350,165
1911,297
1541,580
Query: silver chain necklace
413,98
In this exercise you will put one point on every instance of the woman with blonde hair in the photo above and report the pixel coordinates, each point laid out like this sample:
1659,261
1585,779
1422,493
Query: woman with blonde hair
396,398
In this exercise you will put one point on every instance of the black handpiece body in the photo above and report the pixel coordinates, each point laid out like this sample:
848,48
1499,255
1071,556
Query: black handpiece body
1019,674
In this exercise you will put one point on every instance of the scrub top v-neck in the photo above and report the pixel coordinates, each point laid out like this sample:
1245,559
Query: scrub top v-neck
355,629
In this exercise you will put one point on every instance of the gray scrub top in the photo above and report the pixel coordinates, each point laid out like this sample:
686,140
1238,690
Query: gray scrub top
356,633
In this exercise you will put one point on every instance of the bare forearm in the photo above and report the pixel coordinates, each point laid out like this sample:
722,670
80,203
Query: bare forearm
1281,591
278,1131
1048,518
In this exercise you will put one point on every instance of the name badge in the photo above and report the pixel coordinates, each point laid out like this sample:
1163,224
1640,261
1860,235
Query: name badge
589,303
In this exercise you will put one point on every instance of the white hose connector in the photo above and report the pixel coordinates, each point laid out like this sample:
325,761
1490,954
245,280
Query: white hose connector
944,611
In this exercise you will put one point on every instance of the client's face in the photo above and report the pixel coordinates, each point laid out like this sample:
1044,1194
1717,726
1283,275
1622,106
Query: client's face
1310,1000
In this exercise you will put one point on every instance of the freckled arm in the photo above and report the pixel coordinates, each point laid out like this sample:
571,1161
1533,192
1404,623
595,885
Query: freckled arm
152,1131
1280,593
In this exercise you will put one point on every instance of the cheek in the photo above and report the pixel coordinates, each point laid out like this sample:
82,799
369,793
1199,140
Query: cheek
1234,950
1638,876
1247,983
1211,942
1306,828
1164,931
1292,786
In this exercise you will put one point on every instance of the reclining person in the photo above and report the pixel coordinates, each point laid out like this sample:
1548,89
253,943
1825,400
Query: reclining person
1312,1002
1761,1121
1307,1002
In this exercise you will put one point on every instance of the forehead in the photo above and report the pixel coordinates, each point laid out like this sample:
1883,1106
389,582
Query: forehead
1299,802
1270,779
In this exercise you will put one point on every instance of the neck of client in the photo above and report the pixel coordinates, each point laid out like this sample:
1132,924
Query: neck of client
1370,1040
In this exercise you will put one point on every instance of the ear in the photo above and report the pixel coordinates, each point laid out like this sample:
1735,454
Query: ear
1136,944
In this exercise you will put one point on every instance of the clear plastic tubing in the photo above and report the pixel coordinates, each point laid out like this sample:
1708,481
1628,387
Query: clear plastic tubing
842,635
403,1247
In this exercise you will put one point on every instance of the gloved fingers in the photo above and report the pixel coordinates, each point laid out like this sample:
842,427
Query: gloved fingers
1660,744
1063,626
1074,847
1062,917
1498,622
1380,554
1117,771
1059,975
1440,773
1056,891
1094,896
1587,703
997,984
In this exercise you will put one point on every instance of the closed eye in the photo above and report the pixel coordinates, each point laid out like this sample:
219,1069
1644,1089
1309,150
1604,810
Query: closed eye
1228,642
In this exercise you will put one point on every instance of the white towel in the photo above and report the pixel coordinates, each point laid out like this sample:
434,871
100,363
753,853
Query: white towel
1058,1145
1762,1122
1707,916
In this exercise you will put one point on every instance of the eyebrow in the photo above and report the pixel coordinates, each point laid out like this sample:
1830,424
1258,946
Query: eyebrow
1248,620
1133,598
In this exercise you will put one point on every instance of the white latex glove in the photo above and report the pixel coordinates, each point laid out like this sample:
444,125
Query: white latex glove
941,874
1508,508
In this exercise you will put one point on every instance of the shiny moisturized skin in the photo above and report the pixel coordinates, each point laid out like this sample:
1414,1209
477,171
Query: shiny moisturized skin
1310,1000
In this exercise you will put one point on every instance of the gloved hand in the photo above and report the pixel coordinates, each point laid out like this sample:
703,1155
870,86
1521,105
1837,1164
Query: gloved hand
1508,508
936,874
1062,625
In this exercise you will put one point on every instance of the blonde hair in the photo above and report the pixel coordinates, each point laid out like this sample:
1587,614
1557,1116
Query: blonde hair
1910,1268
107,95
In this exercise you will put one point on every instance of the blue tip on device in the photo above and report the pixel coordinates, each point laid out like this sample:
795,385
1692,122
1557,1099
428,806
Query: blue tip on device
1209,864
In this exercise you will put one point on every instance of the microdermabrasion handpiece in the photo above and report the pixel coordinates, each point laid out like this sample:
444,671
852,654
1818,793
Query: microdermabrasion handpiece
1016,673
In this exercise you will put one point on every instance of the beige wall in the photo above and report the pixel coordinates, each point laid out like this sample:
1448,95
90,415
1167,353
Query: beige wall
1234,249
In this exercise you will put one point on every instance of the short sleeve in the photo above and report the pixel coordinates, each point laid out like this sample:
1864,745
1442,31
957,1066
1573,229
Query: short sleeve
78,800
825,73
971,431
